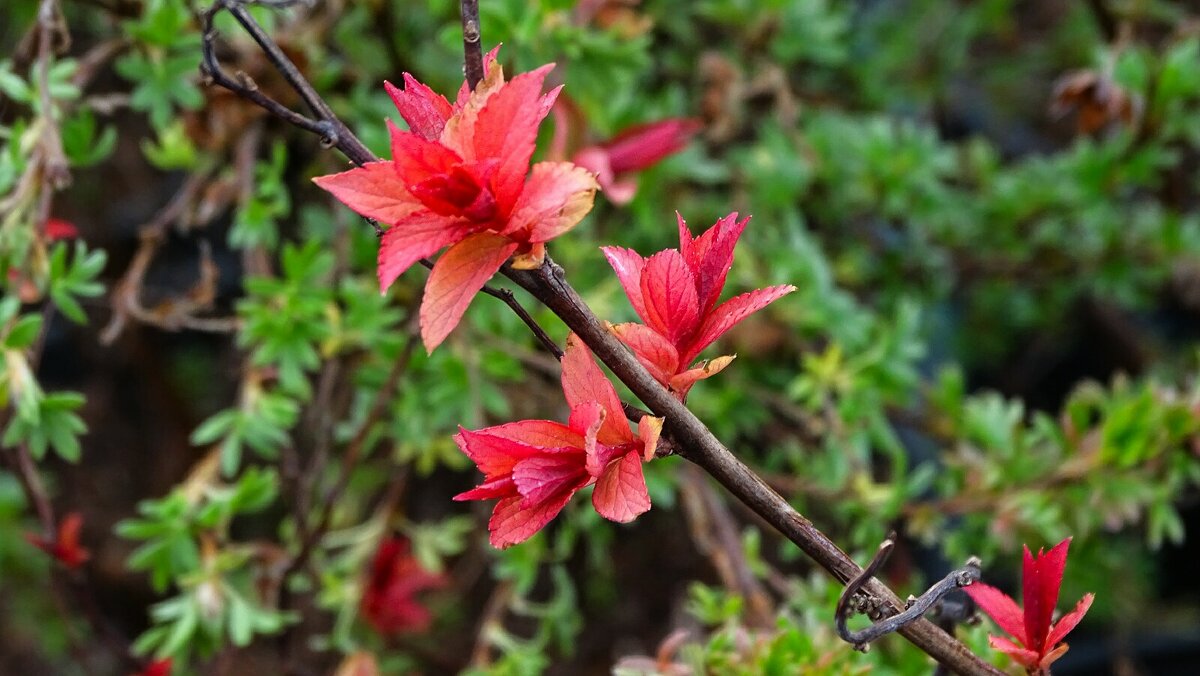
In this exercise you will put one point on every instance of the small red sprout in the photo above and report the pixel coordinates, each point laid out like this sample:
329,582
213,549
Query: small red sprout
157,668
65,548
57,228
675,292
534,466
460,178
389,601
1040,642
634,149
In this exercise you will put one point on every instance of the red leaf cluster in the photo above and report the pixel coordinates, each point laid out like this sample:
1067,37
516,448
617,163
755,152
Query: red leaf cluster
460,178
389,602
675,292
1039,642
65,548
634,149
533,467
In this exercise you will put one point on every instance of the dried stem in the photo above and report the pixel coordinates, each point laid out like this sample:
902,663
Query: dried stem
915,608
695,442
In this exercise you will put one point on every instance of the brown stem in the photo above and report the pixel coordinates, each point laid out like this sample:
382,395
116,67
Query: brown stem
472,43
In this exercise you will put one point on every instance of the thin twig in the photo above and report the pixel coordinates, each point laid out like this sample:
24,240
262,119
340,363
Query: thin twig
915,608
472,43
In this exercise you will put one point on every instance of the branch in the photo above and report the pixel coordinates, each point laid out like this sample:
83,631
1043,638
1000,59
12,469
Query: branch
915,608
472,43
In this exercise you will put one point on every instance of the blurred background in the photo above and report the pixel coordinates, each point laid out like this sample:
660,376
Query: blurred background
989,209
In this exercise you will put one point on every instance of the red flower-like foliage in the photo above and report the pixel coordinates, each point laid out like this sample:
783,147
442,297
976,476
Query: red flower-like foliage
460,177
633,149
65,548
1039,639
675,292
57,228
533,467
389,601
157,668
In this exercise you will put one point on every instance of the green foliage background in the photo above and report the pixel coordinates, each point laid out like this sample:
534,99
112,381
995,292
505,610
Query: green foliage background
993,340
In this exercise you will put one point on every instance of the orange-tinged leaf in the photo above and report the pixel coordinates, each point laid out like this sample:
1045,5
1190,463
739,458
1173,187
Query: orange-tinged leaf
583,381
556,197
373,190
456,277
620,494
412,238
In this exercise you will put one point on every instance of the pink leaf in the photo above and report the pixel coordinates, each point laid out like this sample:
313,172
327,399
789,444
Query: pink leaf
556,197
1000,607
424,110
542,477
728,314
669,293
583,382
659,356
1069,621
628,264
373,190
414,237
1041,579
511,523
620,493
456,277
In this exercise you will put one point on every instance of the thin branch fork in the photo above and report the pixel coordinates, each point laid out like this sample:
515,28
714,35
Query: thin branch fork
696,443
852,600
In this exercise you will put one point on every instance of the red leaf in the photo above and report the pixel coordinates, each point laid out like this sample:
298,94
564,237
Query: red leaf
494,489
583,381
669,293
1026,658
628,265
711,257
1000,607
157,668
541,433
556,197
493,454
1042,577
416,236
644,145
1069,621
424,110
511,523
728,314
57,228
373,190
659,356
417,158
544,477
507,126
456,277
620,493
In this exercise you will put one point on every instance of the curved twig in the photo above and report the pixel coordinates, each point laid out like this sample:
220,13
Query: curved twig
915,608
